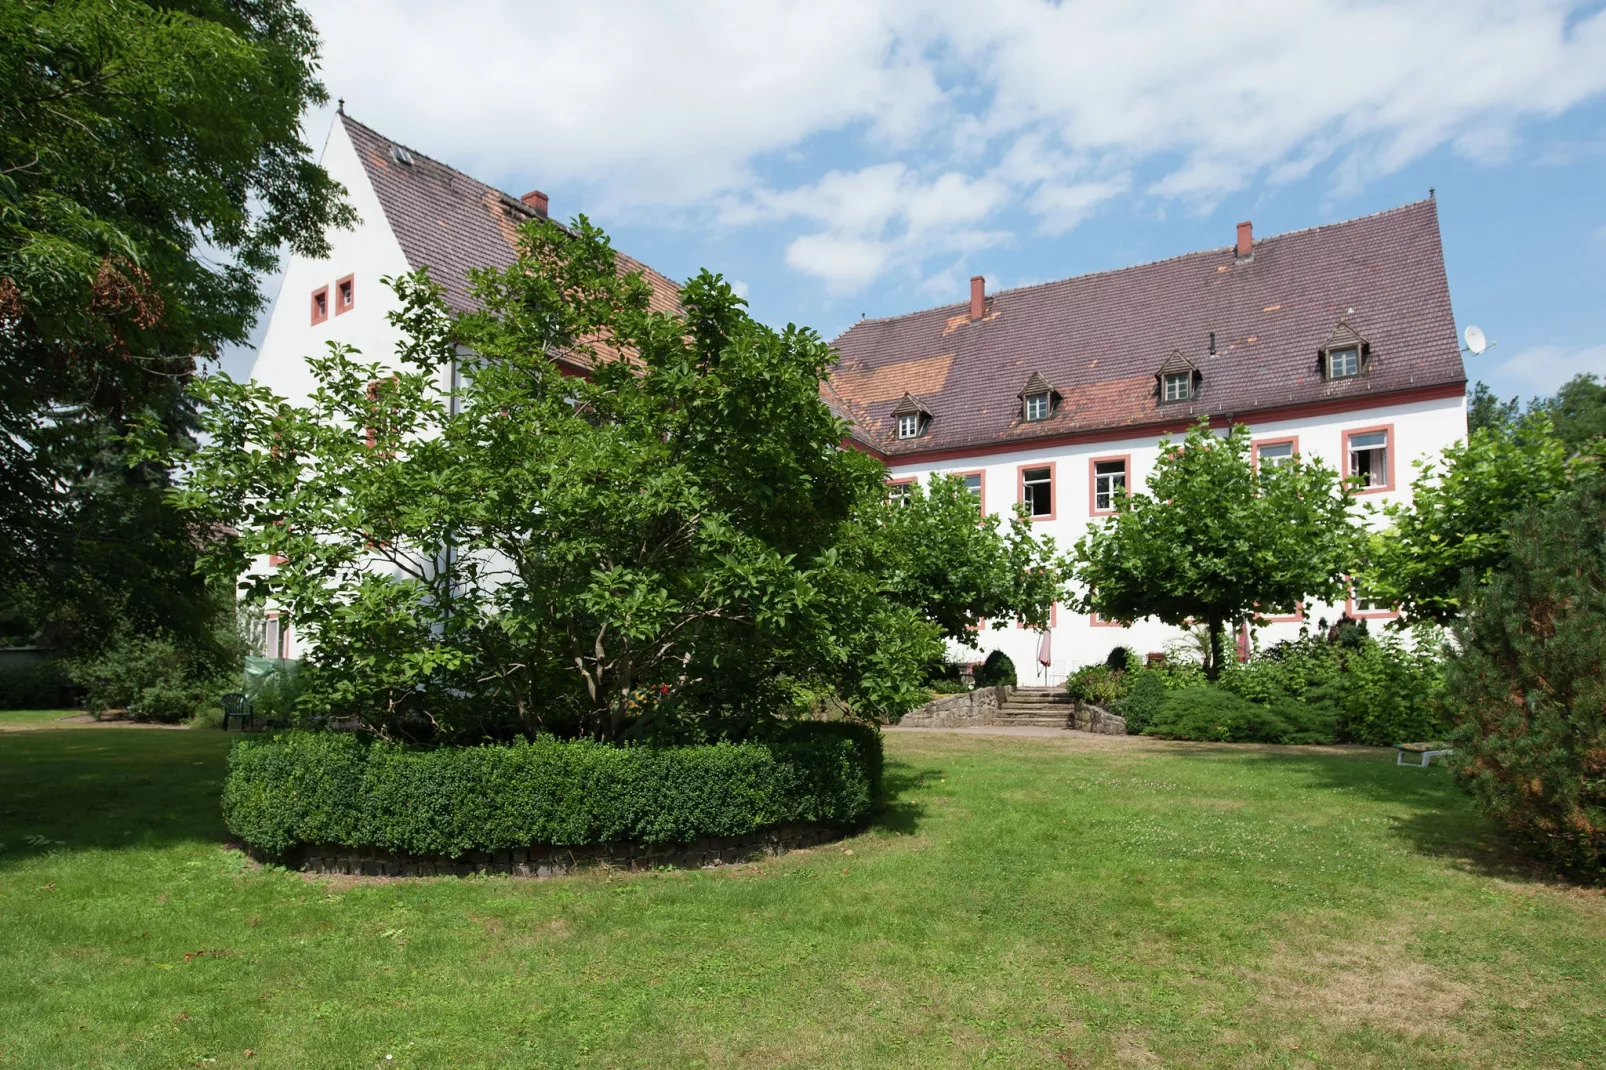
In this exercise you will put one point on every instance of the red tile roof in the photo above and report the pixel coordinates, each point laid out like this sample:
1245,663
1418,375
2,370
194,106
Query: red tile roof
449,222
1100,339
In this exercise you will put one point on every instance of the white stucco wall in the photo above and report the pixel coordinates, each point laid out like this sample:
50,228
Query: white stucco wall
1417,430
368,253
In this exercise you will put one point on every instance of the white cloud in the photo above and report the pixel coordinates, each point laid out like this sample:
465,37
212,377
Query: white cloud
943,117
1539,370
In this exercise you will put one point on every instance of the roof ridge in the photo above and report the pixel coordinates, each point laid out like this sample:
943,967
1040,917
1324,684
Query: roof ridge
438,163
1148,263
513,202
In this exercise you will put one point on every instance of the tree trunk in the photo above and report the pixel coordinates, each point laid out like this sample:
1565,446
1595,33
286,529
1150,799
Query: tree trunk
1212,666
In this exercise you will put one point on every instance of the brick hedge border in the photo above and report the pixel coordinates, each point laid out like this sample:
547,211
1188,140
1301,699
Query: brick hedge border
545,860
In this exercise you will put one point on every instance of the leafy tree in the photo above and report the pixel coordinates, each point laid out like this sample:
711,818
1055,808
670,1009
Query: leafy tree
674,541
1214,538
939,561
1458,514
1578,411
151,168
1530,682
1484,410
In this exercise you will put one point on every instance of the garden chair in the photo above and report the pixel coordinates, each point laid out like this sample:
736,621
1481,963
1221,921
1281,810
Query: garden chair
238,706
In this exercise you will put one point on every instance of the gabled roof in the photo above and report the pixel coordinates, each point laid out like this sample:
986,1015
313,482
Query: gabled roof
1099,338
450,222
1175,363
911,406
1036,384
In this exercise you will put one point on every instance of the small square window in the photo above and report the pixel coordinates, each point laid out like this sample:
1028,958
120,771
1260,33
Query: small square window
899,493
320,304
1037,491
1109,483
1038,406
909,425
1343,363
973,483
345,295
1178,386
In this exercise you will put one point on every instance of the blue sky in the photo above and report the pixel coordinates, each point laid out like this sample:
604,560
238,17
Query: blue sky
838,159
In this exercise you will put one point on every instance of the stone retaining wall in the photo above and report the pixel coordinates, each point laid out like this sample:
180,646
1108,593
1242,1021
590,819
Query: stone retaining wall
968,708
542,860
1086,717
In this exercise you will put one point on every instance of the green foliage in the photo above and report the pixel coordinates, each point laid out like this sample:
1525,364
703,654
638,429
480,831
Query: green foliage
1379,690
947,686
1530,683
997,671
1099,684
1212,714
1456,518
305,788
157,677
939,561
1578,411
677,536
1143,700
1386,693
1487,412
37,685
151,170
1214,538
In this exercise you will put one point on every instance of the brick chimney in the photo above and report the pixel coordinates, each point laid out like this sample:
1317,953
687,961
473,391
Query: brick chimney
978,296
1246,239
536,200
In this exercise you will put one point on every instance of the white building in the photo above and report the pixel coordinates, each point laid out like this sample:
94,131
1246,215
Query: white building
414,212
1336,342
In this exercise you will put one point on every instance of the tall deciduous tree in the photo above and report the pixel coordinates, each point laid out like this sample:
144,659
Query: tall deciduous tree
151,169
677,537
958,572
1458,516
1214,539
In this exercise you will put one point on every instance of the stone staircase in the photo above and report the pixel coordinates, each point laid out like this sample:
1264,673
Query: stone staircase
1040,707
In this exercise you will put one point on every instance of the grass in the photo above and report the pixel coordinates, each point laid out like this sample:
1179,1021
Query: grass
1023,902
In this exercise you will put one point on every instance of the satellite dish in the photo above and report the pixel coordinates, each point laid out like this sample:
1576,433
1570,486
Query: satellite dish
1476,342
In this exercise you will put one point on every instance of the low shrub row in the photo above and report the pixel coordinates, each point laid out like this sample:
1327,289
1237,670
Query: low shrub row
1213,715
1358,689
309,787
41,685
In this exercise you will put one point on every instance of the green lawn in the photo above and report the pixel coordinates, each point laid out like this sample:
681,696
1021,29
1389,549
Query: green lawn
1023,902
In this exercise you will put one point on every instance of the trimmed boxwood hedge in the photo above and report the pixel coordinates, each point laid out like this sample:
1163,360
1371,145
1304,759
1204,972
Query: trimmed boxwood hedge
334,788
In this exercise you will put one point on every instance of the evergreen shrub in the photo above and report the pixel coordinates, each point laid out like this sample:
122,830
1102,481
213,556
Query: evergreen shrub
1143,700
996,671
320,787
1530,682
1213,714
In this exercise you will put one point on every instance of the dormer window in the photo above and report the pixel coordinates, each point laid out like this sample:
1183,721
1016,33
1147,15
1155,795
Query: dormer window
1343,363
911,418
1178,379
1038,399
1345,355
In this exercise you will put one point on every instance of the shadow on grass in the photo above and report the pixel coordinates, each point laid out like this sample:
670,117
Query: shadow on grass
98,789
1432,814
898,815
